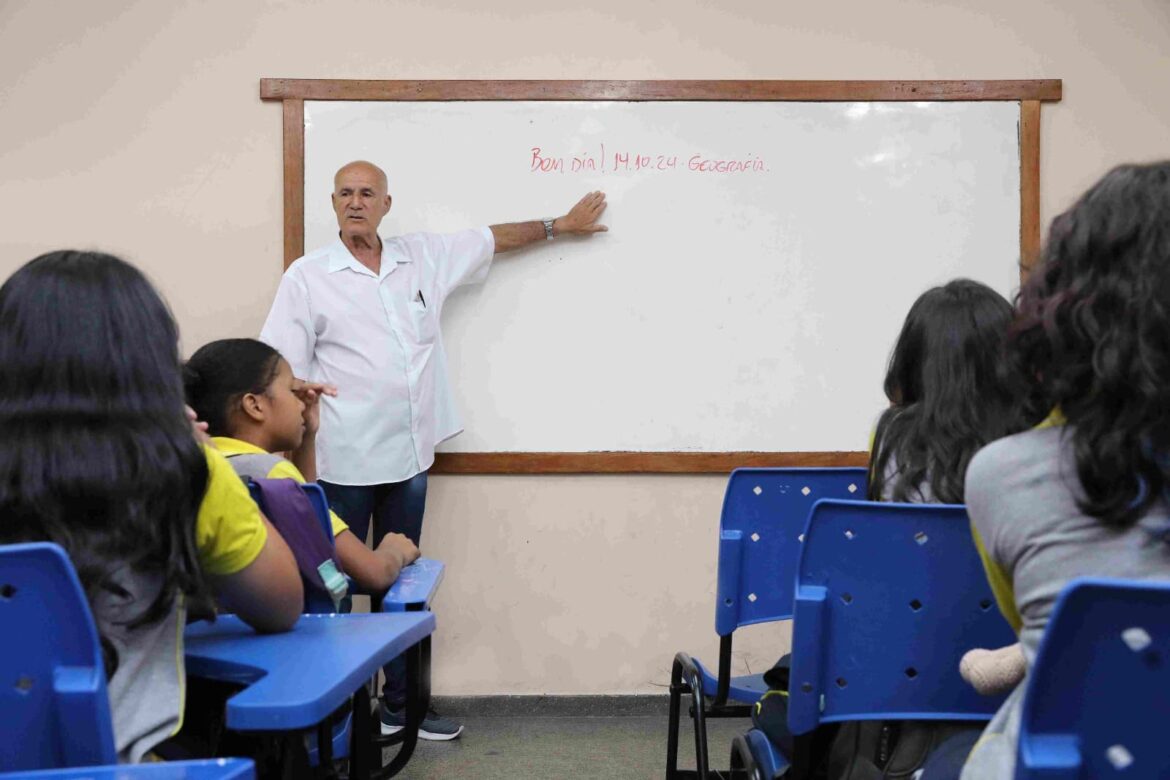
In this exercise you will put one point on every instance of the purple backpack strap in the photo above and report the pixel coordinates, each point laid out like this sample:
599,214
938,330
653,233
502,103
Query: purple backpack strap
290,511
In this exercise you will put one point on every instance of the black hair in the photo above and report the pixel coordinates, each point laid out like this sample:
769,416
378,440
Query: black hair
949,393
222,372
1093,338
97,453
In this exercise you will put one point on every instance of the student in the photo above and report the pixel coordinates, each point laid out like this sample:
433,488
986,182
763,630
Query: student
98,455
948,395
1086,493
253,406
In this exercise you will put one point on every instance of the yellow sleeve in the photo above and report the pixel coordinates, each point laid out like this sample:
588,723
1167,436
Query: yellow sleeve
1001,584
286,469
339,525
229,533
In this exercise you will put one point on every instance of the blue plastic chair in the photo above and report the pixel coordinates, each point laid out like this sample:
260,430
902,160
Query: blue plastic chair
763,517
1098,695
53,703
888,599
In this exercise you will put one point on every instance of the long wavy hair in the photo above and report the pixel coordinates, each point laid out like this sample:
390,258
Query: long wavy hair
1093,338
96,452
949,393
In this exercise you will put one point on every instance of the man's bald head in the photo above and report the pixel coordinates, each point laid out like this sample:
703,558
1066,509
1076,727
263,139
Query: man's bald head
362,166
360,200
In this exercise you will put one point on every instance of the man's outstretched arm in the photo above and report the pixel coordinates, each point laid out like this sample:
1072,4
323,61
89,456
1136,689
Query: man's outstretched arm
581,220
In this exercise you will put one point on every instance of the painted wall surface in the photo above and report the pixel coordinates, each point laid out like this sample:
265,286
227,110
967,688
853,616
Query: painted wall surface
136,127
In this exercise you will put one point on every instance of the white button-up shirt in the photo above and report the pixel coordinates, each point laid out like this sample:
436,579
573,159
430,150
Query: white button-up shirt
376,337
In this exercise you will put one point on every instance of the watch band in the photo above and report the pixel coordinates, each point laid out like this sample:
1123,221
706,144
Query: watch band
548,226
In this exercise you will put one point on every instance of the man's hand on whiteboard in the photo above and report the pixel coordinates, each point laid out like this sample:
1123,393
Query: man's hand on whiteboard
582,218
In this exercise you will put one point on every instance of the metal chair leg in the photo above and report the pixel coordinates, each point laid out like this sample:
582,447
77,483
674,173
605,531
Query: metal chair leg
676,690
418,698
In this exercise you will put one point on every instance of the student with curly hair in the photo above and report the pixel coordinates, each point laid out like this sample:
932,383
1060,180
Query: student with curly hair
1085,494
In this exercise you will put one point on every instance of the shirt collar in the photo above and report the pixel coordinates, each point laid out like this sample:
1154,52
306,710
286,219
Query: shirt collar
1055,418
229,446
340,257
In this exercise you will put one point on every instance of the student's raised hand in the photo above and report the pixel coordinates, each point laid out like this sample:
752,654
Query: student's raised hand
310,394
582,218
400,547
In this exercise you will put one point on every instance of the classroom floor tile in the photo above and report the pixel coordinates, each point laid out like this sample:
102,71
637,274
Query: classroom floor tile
507,747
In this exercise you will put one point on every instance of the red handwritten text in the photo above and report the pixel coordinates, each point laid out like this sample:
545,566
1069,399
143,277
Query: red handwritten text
626,161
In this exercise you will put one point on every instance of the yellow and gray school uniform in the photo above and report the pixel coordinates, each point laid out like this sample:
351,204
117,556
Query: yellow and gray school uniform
1022,494
248,460
148,687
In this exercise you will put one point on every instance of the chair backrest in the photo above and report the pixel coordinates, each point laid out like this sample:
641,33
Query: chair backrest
53,700
889,597
764,512
1098,696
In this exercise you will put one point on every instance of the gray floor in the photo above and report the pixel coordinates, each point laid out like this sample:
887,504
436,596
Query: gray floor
527,746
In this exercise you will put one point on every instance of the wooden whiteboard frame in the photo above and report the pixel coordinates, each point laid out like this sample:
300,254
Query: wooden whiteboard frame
294,92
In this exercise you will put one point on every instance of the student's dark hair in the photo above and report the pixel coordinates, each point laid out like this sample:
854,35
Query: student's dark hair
96,452
948,393
222,372
1093,338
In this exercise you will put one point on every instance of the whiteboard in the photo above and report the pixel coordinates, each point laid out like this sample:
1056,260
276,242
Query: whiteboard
760,259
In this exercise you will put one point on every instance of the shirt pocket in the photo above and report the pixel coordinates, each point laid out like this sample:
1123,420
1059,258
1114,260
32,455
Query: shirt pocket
423,322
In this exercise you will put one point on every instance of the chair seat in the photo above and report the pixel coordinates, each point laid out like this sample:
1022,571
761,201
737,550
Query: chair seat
747,688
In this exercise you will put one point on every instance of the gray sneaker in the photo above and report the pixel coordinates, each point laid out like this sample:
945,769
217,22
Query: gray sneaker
434,727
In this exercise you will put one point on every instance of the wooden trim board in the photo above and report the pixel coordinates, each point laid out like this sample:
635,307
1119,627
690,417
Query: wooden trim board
294,180
633,462
335,89
1029,186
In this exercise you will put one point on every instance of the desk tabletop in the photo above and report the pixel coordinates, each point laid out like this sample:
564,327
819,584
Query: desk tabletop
415,586
210,769
296,678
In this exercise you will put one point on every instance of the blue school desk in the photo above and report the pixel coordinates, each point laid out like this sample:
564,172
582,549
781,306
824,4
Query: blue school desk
295,680
213,769
415,586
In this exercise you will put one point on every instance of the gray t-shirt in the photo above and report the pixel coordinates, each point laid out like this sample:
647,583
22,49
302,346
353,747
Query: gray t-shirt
146,689
1022,496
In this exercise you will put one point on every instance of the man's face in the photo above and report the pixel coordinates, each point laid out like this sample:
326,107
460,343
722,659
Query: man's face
360,199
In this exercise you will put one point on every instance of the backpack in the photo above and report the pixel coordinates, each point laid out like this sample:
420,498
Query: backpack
854,750
290,511
880,749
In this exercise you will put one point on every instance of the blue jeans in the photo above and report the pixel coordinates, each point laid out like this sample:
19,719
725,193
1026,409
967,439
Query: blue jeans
396,507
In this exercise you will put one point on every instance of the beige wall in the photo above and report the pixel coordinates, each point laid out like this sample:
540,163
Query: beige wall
136,128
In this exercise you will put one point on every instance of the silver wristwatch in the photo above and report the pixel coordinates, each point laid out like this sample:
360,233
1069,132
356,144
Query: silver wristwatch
548,226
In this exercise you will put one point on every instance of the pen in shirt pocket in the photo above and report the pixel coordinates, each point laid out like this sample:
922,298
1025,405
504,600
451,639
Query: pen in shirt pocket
421,299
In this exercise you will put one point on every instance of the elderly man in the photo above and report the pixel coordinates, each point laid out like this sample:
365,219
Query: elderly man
362,314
